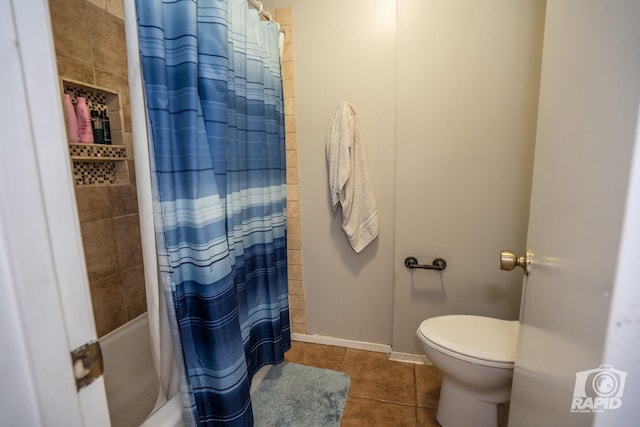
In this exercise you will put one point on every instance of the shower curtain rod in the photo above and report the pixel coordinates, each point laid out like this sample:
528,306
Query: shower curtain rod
258,5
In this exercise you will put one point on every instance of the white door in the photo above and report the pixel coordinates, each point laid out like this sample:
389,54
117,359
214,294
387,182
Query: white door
587,124
45,310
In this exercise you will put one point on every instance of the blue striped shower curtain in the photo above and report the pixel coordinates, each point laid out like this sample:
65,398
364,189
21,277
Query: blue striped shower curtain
213,89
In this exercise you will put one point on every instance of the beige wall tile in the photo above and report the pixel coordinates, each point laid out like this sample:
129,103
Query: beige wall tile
294,226
132,173
289,88
71,30
117,83
93,203
295,272
293,192
115,7
288,71
108,41
115,117
294,257
292,175
290,145
122,172
100,249
123,200
99,3
290,107
294,241
293,209
117,135
290,124
128,143
127,237
285,15
108,304
287,53
296,287
73,70
133,291
296,302
292,159
291,140
297,316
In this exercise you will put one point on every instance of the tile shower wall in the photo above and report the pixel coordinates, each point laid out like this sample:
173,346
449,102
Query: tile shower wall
90,48
294,228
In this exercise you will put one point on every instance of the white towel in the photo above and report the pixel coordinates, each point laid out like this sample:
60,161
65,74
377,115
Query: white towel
349,180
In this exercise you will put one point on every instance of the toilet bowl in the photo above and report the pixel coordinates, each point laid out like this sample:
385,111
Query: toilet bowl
476,355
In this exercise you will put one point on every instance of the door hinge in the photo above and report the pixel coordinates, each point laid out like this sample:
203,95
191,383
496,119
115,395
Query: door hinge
87,364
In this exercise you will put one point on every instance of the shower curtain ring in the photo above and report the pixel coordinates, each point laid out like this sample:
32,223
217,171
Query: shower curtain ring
261,7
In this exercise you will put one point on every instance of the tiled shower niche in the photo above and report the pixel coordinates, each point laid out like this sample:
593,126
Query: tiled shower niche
98,164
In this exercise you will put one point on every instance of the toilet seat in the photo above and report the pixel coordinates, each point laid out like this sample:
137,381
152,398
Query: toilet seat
476,339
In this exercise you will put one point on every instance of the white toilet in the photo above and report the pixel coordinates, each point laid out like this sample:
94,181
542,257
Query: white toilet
476,356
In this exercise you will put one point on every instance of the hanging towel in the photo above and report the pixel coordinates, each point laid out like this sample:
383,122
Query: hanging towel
349,180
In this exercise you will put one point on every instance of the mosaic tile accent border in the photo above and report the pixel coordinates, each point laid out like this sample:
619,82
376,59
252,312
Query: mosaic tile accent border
89,151
96,164
88,173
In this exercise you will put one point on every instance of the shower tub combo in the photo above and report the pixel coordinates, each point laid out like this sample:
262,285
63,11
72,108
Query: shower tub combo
131,381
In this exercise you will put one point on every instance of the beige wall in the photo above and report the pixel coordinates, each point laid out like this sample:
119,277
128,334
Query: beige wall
451,88
468,77
345,51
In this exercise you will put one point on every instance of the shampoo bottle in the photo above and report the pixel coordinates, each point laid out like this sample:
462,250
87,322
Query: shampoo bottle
72,123
106,126
84,121
96,126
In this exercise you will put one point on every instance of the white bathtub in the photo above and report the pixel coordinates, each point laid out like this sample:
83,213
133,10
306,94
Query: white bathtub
131,381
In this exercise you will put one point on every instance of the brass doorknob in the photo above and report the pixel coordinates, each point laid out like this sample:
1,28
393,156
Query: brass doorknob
509,260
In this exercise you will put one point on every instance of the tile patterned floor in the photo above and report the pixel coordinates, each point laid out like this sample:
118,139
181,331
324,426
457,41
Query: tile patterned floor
383,392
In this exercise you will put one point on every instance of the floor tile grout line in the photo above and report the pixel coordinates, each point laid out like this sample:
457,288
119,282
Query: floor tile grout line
376,399
415,395
344,359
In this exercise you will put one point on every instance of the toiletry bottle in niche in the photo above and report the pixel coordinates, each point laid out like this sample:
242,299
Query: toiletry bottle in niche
71,121
96,127
106,126
84,121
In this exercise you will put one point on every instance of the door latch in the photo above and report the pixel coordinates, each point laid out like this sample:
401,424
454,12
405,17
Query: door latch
87,364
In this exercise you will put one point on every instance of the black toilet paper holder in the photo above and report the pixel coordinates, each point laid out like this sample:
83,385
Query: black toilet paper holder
438,264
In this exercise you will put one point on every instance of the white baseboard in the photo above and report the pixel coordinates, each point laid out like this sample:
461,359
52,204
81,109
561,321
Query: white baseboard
339,342
362,345
418,359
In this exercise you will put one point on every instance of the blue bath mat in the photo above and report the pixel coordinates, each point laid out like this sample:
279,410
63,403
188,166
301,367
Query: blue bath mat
297,395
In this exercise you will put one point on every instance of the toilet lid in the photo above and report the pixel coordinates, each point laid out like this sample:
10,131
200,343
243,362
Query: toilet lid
476,336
